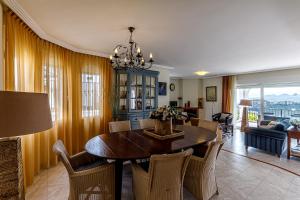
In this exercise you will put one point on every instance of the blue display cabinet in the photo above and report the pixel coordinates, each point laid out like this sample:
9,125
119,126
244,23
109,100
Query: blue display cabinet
136,95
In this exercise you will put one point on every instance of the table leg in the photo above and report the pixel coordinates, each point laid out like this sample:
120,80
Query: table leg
118,179
289,147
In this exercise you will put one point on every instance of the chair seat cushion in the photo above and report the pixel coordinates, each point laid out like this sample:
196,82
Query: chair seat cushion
91,165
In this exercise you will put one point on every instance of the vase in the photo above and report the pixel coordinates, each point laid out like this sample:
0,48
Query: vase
163,127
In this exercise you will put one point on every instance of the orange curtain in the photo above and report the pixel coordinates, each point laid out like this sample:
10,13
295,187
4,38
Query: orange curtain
227,94
78,85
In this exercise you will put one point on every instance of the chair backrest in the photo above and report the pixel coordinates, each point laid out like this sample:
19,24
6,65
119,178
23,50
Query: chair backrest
147,123
60,150
166,174
209,125
219,139
211,156
219,133
194,121
118,126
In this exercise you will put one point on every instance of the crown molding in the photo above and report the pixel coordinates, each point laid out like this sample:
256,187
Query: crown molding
24,15
15,6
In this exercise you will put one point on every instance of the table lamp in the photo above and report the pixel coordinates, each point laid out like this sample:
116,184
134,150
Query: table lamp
245,103
21,113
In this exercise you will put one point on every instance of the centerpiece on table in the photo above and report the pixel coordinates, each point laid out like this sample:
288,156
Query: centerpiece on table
163,117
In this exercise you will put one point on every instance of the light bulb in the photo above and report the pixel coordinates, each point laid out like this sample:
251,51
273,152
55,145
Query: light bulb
125,59
116,51
139,50
110,57
150,56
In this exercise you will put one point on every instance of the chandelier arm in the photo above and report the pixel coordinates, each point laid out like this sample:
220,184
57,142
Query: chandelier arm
130,56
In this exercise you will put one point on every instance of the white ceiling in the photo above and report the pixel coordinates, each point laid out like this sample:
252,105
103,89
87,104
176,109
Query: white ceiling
222,37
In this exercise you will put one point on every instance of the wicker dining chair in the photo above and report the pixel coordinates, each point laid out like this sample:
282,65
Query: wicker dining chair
118,126
200,177
164,178
209,125
147,123
88,178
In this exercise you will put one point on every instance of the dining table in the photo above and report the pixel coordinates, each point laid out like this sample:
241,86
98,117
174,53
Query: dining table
134,144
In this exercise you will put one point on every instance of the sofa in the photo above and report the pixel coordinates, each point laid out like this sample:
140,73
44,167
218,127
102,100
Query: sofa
269,139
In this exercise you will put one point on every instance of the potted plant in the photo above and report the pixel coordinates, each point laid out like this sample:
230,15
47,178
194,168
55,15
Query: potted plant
163,119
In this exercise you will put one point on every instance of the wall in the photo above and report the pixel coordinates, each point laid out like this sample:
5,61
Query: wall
273,77
191,91
211,108
164,76
178,89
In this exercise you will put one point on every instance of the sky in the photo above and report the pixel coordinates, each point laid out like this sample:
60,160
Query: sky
255,92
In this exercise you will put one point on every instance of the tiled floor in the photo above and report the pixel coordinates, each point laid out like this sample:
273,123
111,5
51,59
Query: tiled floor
236,145
238,178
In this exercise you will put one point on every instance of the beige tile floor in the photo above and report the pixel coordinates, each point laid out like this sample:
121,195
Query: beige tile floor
238,178
236,145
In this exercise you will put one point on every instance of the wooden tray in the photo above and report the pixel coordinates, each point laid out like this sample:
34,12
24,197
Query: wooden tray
151,133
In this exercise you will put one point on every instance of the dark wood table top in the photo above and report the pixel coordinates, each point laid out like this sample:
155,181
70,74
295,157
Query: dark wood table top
136,145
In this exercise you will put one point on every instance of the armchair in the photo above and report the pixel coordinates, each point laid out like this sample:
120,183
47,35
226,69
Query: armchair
89,178
225,120
224,117
163,179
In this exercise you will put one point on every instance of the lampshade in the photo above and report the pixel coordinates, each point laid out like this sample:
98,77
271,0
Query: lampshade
23,113
245,102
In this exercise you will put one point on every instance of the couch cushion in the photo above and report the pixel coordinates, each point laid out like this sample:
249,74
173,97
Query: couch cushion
286,124
223,116
271,125
278,127
267,132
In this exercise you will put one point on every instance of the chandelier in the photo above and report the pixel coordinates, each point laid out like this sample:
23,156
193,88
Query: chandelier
130,57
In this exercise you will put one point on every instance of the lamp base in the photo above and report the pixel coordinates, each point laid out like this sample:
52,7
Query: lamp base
11,169
244,122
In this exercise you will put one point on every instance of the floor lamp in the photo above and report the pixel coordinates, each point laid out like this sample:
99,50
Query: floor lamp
245,103
21,113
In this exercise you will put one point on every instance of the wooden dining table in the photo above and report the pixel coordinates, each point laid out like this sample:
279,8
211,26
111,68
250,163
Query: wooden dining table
134,144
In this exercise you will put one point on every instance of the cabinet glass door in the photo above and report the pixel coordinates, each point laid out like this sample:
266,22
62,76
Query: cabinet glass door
136,92
123,92
150,93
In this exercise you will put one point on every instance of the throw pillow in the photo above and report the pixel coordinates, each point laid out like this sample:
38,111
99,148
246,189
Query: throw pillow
271,125
286,124
223,116
279,127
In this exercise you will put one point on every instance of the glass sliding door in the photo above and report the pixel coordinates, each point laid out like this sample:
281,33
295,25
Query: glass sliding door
274,103
281,103
254,112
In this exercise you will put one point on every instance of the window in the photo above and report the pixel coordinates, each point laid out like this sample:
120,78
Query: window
53,85
90,95
253,94
281,102
270,102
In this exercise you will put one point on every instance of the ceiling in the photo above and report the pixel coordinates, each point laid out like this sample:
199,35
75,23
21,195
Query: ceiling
221,37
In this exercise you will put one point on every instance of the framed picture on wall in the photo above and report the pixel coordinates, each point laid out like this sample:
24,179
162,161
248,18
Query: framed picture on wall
211,93
162,88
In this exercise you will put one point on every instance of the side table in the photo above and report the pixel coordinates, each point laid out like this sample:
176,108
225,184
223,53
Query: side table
292,133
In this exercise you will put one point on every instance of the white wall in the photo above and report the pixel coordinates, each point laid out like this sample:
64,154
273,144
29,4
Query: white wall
211,108
178,89
164,76
191,91
273,77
